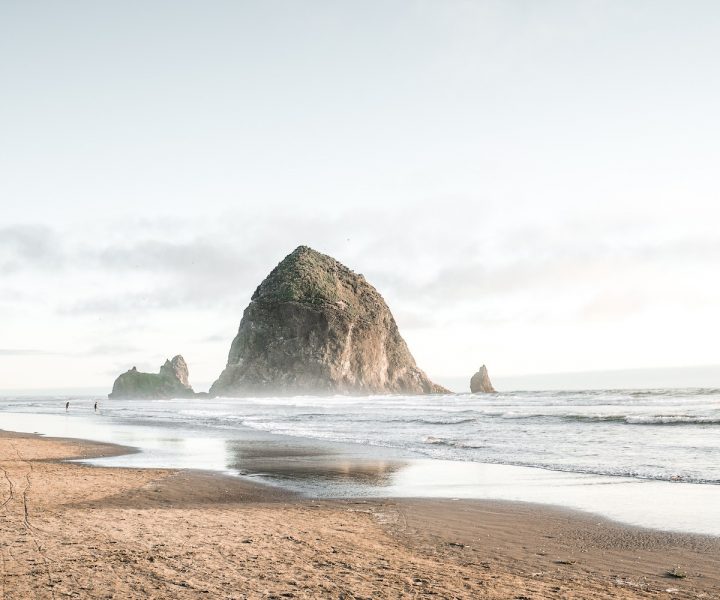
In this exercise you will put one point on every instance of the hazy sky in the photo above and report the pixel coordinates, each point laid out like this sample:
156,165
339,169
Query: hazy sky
530,184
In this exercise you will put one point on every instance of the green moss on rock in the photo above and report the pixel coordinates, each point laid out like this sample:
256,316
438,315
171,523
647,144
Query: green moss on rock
170,382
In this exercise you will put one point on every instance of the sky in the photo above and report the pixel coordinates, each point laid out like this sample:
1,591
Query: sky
530,185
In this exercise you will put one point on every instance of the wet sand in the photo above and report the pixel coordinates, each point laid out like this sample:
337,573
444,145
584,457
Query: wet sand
69,530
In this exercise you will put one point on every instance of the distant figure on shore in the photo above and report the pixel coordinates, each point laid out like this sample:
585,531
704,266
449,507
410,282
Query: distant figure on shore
67,405
95,406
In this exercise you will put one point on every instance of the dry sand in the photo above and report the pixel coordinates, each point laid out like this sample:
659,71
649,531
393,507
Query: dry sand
73,531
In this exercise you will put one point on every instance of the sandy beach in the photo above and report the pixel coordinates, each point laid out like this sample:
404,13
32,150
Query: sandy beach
71,530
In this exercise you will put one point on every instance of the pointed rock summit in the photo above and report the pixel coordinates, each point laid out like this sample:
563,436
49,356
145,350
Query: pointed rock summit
170,382
315,327
480,382
176,369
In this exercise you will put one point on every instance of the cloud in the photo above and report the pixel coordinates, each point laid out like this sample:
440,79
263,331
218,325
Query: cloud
96,350
110,349
25,352
553,261
477,283
196,257
609,306
408,319
217,337
421,269
114,303
29,246
217,267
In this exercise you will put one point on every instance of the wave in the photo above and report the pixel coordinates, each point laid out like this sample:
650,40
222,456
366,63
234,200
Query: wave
604,471
645,419
439,441
617,418
431,439
578,417
441,421
604,433
673,420
675,392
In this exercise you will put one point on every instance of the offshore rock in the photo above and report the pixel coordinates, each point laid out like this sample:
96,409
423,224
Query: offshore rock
313,326
480,382
170,382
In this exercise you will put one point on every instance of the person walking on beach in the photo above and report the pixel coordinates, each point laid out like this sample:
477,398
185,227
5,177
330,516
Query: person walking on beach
95,406
67,405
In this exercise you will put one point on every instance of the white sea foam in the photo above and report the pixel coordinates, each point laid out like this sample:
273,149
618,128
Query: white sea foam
652,434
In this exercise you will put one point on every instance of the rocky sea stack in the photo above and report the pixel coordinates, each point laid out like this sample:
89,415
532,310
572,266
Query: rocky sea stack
480,382
315,327
170,382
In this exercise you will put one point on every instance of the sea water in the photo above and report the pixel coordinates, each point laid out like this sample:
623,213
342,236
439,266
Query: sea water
648,457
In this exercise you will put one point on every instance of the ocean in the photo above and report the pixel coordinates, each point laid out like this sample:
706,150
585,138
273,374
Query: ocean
608,452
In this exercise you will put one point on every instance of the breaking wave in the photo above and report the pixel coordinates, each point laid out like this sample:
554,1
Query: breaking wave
672,435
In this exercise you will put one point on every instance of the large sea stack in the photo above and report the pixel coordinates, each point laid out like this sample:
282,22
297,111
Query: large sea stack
315,327
170,382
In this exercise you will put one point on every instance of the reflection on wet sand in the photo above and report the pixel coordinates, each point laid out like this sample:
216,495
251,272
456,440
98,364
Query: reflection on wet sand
305,465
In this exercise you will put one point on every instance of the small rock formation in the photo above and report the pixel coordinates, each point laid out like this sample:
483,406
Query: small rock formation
170,382
315,327
176,369
480,382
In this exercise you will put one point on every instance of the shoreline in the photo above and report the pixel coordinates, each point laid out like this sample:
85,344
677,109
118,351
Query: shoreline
245,539
272,491
327,469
